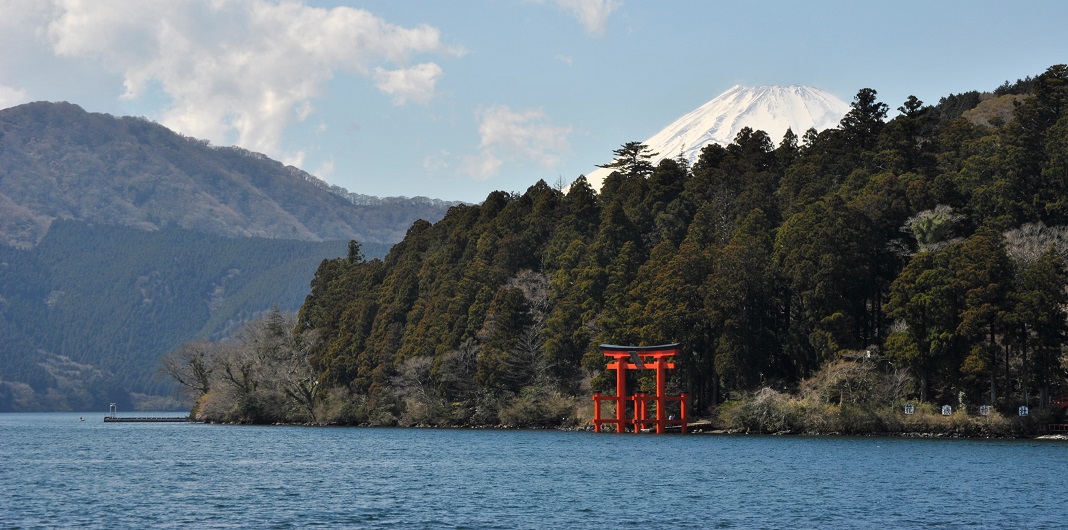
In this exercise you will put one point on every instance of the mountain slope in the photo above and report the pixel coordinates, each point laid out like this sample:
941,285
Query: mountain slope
120,239
86,314
59,161
772,109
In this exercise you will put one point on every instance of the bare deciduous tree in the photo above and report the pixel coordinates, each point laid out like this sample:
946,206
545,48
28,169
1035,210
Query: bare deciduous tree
262,373
1029,242
191,366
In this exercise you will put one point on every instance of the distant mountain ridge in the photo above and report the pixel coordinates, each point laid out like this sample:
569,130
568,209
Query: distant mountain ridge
772,109
120,240
59,161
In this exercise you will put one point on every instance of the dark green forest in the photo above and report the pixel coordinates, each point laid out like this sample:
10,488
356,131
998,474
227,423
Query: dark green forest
86,315
928,247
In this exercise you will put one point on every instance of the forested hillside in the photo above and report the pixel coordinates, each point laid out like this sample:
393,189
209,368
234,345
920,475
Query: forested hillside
933,242
86,315
121,239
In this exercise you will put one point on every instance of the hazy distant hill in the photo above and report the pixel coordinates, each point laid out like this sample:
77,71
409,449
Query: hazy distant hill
120,239
58,161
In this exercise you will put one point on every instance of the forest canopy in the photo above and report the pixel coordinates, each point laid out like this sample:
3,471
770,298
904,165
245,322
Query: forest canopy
934,242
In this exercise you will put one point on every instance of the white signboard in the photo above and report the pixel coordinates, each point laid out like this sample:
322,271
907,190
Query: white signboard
984,410
1024,410
910,408
947,410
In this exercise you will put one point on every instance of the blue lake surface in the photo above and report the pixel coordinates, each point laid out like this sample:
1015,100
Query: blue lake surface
56,471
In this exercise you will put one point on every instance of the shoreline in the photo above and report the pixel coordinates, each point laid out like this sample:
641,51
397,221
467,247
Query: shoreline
697,428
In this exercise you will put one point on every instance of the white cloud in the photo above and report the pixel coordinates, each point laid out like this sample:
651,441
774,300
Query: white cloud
592,14
482,166
294,159
512,136
9,97
241,71
524,133
437,162
415,83
24,54
325,169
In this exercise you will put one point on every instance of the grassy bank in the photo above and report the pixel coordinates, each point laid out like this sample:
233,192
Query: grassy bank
770,412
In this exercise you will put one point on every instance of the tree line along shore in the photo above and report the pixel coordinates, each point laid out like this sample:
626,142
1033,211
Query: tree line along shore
817,286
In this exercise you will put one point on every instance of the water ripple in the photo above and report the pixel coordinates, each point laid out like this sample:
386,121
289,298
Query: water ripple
58,472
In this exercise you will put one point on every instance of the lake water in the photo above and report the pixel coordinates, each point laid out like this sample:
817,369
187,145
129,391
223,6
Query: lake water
56,471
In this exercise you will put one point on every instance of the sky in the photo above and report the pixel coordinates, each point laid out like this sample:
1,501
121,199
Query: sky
456,99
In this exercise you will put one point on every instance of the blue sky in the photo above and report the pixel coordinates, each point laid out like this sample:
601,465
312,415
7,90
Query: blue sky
455,99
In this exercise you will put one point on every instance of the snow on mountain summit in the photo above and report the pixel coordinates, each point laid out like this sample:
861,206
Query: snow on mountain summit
772,109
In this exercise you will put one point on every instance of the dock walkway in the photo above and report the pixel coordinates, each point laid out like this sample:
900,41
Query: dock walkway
158,419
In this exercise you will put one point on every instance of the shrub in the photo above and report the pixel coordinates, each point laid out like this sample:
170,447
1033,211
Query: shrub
422,412
854,419
767,411
856,378
209,407
341,406
536,406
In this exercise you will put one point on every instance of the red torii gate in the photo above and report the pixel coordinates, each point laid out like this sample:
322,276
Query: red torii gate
639,401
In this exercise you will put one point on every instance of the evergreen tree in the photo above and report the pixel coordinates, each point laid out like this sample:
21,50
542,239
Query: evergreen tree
984,275
1040,323
743,306
864,121
926,301
632,160
825,253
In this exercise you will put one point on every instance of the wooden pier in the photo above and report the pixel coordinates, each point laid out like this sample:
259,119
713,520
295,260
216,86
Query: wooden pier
113,417
133,419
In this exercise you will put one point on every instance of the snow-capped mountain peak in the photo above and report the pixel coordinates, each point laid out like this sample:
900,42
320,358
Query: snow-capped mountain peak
772,109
